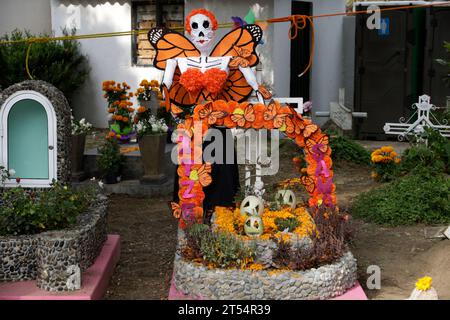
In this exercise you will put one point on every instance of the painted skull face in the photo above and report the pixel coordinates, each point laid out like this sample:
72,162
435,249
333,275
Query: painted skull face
202,32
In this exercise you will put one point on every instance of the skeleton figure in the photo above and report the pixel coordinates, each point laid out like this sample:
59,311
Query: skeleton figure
195,72
201,28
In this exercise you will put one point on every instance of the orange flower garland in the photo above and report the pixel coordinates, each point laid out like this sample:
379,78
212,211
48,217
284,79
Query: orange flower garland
257,116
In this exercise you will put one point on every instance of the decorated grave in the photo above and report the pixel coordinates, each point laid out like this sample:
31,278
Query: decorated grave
259,249
50,234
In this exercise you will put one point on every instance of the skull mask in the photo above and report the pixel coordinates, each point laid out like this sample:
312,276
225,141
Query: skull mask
202,32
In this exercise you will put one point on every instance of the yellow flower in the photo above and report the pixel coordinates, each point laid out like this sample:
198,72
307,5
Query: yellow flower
424,283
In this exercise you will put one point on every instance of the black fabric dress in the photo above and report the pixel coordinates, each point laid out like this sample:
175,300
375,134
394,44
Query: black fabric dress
225,178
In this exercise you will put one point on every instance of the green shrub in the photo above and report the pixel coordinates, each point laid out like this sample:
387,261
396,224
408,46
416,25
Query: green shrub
110,160
23,212
344,148
416,198
224,250
216,248
434,157
288,223
60,63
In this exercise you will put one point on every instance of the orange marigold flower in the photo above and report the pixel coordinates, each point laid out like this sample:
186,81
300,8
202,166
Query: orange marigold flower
141,109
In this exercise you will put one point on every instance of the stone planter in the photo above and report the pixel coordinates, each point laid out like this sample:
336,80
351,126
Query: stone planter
78,143
50,257
152,148
325,282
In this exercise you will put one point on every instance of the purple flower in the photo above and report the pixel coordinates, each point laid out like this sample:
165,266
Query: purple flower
307,106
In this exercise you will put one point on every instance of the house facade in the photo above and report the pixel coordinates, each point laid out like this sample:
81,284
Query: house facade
128,58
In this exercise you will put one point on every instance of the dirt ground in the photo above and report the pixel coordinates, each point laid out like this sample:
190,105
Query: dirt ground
148,235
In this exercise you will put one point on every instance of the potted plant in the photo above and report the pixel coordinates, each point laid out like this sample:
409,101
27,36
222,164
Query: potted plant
120,110
111,161
80,128
152,136
149,95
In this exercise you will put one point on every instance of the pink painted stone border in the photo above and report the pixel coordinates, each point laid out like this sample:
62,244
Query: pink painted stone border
355,293
95,280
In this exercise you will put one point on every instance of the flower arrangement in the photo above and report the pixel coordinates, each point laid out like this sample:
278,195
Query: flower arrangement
149,124
120,108
232,221
145,90
424,284
80,126
385,163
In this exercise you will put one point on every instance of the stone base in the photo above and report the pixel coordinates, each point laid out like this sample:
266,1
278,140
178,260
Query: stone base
154,180
325,282
94,281
78,176
355,293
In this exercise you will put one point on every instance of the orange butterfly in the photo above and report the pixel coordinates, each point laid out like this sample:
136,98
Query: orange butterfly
323,141
309,183
273,113
292,125
242,58
202,175
176,210
309,130
175,110
213,116
241,117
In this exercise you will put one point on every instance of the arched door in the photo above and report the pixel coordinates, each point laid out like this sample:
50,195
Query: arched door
29,139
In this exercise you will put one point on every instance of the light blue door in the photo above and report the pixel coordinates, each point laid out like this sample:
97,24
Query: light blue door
28,140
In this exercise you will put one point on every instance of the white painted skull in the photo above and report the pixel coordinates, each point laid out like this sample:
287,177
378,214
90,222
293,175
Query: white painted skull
202,33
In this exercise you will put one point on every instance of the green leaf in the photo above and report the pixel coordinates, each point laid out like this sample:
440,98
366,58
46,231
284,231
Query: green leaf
250,17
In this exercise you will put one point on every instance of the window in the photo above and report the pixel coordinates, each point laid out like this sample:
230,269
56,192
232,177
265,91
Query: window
149,14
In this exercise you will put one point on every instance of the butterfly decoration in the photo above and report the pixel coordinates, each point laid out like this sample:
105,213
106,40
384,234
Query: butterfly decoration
241,60
293,125
309,183
273,114
322,143
176,210
212,116
241,117
202,175
309,130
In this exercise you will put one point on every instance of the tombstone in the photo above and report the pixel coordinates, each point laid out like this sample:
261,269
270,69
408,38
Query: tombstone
35,134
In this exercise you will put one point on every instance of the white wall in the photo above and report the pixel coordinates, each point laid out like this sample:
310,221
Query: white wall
109,58
327,70
25,15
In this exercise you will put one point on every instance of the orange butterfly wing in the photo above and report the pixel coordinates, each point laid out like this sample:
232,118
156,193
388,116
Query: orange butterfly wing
170,45
176,210
204,175
309,130
240,44
309,184
323,141
213,116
